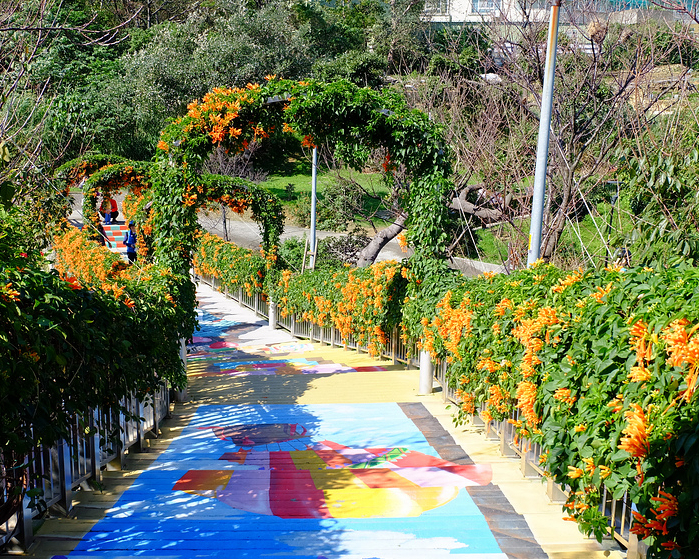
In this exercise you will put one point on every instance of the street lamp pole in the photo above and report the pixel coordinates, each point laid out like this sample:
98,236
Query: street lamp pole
314,184
542,150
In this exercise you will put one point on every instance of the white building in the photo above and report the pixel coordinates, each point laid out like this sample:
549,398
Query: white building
474,11
578,11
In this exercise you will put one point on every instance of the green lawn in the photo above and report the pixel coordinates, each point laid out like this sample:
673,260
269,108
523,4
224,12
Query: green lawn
582,243
300,182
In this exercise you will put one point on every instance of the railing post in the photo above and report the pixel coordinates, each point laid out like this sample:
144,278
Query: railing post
65,476
272,315
637,549
156,420
394,346
426,373
292,331
26,530
505,438
528,470
95,449
182,395
557,495
332,336
123,437
140,435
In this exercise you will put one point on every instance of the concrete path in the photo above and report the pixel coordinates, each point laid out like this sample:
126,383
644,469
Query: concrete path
289,449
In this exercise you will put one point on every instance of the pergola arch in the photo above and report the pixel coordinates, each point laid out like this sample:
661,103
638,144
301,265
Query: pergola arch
353,120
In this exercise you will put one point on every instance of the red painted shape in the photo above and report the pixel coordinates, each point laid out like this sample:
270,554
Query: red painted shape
480,474
412,459
219,345
295,495
200,480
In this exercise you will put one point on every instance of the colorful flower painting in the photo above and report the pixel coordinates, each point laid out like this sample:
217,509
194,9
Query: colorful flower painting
319,481
325,479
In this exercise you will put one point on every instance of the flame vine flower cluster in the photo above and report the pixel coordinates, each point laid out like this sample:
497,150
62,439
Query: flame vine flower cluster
67,347
85,264
234,267
600,369
361,303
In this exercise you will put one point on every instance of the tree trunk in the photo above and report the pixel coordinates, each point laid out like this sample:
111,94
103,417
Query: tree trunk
558,223
368,255
225,223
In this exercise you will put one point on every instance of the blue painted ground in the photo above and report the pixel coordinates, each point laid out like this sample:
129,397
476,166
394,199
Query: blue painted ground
151,519
315,481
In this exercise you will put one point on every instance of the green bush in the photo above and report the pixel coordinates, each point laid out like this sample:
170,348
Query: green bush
69,346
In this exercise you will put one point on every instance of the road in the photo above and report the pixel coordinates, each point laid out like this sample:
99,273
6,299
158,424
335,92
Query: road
245,233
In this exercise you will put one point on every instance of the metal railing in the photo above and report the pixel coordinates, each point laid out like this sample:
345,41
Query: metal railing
617,511
396,349
54,473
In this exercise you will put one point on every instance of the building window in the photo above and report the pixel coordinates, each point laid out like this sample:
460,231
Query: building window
485,6
437,7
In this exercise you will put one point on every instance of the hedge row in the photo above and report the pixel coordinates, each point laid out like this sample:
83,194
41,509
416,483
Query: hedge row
87,336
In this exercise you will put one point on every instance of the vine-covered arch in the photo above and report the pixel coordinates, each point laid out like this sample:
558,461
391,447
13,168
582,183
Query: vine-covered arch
352,120
239,195
105,175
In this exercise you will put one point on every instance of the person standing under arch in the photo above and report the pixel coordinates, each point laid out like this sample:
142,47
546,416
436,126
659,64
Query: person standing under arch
130,242
109,210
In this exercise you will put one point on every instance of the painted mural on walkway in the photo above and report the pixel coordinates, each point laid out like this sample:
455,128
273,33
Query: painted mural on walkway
326,479
334,481
312,481
217,350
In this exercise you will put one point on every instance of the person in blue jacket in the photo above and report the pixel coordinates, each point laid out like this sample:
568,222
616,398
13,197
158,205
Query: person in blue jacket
130,242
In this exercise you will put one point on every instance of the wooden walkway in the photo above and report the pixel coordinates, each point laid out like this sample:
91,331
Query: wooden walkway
288,449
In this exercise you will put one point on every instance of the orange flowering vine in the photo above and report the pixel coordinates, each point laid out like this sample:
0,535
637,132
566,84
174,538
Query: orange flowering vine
683,350
667,508
635,440
526,399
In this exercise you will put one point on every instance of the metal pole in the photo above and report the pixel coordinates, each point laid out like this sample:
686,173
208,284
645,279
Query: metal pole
426,373
314,184
542,150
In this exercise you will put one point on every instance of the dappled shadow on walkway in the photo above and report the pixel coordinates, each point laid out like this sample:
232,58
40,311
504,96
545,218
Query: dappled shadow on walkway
290,449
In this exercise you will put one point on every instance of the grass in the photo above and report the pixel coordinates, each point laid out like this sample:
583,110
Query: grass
582,244
300,180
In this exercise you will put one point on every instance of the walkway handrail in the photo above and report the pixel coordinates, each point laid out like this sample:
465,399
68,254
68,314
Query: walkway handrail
55,472
618,511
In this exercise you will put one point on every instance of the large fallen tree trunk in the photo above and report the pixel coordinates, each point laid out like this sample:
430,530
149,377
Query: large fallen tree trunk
371,251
